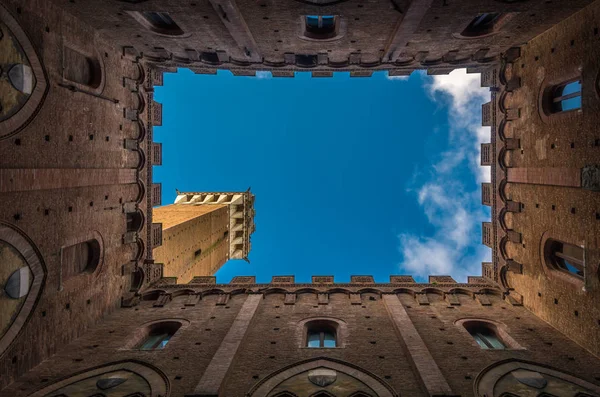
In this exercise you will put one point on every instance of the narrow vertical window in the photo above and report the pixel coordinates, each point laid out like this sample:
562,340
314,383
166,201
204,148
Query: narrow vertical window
483,24
565,97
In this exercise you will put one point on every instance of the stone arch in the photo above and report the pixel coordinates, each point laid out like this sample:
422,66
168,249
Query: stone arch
516,376
28,84
25,279
127,377
300,374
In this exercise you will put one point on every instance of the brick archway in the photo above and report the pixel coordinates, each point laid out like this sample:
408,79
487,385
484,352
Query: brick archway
267,385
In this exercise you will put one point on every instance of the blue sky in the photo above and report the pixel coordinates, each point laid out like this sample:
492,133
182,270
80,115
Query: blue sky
352,176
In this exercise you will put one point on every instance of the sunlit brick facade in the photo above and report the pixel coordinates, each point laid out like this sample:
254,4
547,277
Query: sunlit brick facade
90,306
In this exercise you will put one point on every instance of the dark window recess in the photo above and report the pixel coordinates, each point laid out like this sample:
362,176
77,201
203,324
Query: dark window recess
320,27
80,258
197,253
158,335
321,334
81,69
565,257
159,22
483,24
210,57
306,61
564,97
485,336
135,221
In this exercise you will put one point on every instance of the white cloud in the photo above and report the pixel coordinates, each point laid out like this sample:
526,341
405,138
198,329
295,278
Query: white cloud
263,74
449,204
387,76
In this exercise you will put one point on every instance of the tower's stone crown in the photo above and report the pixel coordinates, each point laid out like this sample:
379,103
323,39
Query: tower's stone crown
241,216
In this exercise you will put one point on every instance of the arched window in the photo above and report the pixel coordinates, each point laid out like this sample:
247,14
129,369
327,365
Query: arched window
564,257
80,258
158,335
482,24
564,97
321,27
158,22
321,334
485,335
135,220
81,69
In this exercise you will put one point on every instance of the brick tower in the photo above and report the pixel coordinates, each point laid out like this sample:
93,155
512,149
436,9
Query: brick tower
202,231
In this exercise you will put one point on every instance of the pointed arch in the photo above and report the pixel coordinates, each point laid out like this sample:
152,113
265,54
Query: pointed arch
143,376
270,291
462,291
268,385
23,285
432,291
525,373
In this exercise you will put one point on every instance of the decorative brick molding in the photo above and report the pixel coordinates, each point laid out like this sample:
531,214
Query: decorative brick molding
243,280
486,232
401,279
204,280
156,379
546,176
322,279
156,235
441,280
282,280
432,378
156,194
487,156
486,194
28,111
486,114
156,153
31,256
362,280
211,380
264,387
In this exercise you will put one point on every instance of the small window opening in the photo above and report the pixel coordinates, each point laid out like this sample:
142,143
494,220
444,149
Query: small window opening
159,335
320,27
485,336
80,258
158,22
81,69
565,257
197,253
135,221
565,97
321,335
482,24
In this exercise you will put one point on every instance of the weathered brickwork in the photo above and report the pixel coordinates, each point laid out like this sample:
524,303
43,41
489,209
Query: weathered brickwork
90,270
541,156
372,338
67,177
